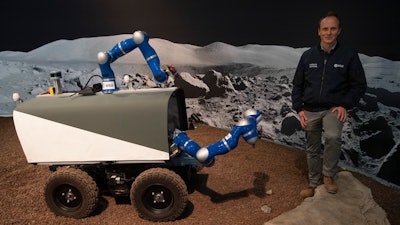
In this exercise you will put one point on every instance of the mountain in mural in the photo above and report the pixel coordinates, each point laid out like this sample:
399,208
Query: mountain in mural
220,82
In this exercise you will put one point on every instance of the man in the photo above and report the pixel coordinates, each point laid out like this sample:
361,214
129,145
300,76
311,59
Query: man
329,80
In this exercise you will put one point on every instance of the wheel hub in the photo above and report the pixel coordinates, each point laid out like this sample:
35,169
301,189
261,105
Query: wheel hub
69,196
158,197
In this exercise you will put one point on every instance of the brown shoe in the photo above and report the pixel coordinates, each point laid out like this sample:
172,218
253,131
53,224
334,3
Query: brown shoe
330,185
308,192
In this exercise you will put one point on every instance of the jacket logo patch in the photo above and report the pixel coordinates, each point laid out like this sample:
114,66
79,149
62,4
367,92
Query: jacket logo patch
338,65
313,65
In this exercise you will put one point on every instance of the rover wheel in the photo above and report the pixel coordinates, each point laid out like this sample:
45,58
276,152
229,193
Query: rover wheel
159,194
71,192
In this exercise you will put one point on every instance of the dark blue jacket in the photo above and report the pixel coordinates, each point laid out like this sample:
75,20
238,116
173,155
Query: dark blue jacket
324,80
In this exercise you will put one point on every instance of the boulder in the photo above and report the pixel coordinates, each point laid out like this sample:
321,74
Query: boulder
376,137
390,169
192,87
290,125
353,204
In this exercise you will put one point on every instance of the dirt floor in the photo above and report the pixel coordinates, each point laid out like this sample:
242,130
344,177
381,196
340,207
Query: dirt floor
231,192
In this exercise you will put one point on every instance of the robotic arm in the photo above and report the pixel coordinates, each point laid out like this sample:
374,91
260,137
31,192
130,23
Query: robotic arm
246,127
139,39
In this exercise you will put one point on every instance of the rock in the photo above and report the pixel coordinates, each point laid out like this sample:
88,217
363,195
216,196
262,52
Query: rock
266,209
285,109
390,169
212,84
192,87
284,80
239,84
386,97
376,137
353,204
217,84
290,125
371,103
352,155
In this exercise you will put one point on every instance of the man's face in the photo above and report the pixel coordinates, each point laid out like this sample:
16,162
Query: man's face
329,30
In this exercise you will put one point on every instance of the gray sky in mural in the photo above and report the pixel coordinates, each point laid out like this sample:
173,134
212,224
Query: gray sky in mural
371,27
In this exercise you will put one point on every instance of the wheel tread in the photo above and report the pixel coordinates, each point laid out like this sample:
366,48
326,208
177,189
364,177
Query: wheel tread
154,175
82,179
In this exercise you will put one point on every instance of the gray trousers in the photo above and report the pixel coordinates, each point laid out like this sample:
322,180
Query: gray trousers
318,123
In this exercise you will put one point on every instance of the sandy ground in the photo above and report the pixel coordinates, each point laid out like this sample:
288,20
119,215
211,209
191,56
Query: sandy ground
231,192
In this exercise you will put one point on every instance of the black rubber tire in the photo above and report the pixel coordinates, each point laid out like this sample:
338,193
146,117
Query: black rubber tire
159,194
71,192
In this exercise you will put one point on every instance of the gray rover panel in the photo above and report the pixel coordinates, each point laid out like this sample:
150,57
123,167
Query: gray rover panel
143,117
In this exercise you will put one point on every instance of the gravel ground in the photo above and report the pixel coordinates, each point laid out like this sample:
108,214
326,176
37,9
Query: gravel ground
233,191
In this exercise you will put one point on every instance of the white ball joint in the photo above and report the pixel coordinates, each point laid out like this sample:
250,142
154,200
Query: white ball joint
138,37
102,57
16,98
128,81
202,154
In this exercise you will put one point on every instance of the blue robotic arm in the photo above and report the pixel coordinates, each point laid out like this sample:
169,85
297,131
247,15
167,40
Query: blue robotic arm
246,127
139,39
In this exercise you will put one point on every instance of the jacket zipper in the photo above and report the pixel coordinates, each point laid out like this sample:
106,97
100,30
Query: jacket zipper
322,78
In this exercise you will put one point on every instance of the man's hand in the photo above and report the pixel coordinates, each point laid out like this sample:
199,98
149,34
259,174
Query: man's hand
303,119
341,113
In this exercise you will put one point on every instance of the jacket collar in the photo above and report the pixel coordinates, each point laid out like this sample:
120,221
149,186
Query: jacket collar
333,48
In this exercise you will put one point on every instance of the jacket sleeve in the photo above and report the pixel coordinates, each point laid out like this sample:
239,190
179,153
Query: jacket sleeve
298,86
357,83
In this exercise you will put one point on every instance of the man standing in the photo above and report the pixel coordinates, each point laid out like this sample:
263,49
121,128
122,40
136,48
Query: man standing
329,80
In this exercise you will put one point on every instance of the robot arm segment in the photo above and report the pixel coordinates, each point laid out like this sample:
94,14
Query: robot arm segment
150,55
246,127
106,58
139,39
